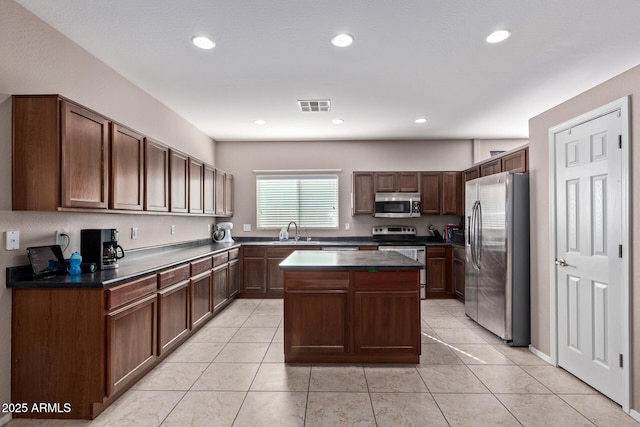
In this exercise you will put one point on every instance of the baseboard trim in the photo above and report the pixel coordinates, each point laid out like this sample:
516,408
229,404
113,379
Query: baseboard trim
540,354
635,415
5,420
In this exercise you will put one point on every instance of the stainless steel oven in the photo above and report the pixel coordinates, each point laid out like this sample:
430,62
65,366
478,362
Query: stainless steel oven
397,205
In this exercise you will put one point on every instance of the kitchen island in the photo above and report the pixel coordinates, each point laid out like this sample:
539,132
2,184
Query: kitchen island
351,307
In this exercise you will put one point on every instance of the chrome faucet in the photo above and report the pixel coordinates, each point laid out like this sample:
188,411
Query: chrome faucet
289,226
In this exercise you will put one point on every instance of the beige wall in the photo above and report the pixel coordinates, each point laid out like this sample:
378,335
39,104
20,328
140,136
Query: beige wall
242,158
482,148
625,84
34,58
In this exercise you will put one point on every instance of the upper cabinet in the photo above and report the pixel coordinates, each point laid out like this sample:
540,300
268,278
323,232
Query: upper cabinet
67,157
60,155
396,182
431,192
362,193
516,162
127,169
441,193
156,176
513,161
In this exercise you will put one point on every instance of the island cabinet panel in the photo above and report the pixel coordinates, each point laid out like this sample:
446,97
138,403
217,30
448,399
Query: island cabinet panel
127,169
131,342
156,179
352,316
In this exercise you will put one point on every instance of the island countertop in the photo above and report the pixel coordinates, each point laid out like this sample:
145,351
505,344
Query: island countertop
348,260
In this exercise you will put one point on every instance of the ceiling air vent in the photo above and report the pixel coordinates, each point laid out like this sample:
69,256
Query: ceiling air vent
314,105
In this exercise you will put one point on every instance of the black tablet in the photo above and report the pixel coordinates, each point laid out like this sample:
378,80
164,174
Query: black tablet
47,261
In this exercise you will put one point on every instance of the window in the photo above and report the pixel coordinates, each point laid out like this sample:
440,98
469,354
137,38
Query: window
309,200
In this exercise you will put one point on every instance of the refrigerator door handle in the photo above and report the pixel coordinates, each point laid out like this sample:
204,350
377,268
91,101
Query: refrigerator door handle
474,239
479,238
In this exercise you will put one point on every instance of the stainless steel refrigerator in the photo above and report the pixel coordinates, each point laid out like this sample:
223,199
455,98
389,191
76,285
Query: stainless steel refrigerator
497,255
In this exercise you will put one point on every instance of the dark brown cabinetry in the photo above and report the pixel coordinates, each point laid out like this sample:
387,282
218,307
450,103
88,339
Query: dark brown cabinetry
516,162
127,169
209,188
489,168
196,186
439,272
179,179
392,182
173,307
452,199
431,192
458,272
234,273
223,193
228,194
363,193
220,274
60,155
471,173
156,173
201,291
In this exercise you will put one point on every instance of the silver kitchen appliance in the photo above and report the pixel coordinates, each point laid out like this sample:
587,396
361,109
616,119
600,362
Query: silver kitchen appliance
497,255
222,232
402,239
397,205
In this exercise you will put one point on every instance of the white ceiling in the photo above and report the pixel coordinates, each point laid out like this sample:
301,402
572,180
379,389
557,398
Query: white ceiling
410,58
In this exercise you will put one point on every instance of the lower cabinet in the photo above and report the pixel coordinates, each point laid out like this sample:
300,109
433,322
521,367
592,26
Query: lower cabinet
234,278
201,292
439,272
220,286
458,271
173,316
131,342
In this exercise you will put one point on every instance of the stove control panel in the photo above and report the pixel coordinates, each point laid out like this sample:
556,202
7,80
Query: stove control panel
394,230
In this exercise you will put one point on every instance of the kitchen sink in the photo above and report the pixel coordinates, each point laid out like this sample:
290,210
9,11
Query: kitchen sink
293,242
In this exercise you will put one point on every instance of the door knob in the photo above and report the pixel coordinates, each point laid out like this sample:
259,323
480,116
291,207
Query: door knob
561,262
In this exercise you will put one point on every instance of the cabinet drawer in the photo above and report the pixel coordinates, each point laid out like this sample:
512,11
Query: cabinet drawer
303,280
280,252
234,254
201,265
392,280
120,295
173,276
436,252
253,252
220,259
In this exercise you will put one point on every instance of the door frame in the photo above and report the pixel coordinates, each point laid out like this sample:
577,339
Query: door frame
621,104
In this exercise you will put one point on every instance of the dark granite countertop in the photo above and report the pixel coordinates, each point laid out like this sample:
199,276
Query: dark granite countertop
348,260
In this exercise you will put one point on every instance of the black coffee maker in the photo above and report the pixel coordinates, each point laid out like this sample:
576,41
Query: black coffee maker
101,247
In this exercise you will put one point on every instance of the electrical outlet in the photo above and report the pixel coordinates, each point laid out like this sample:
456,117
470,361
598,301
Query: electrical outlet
347,226
209,228
134,233
12,240
246,227
173,229
61,237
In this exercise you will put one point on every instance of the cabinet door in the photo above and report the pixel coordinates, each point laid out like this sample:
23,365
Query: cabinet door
234,278
439,272
384,182
387,322
179,177
196,186
458,272
254,274
489,168
131,342
156,169
219,192
127,168
173,316
201,293
220,286
515,162
451,197
471,173
209,190
316,321
363,193
407,182
431,185
228,194
85,158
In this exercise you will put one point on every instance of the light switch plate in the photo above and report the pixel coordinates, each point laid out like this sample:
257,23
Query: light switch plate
134,233
12,240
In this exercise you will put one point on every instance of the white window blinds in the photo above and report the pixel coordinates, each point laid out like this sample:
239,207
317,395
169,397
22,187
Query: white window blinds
309,200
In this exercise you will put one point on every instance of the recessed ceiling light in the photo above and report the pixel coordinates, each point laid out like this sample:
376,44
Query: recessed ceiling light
259,122
337,121
342,40
203,42
421,120
498,36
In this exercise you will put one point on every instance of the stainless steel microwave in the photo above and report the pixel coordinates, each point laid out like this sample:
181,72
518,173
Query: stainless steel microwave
397,205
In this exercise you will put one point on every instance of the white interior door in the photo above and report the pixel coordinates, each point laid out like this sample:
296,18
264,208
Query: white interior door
589,268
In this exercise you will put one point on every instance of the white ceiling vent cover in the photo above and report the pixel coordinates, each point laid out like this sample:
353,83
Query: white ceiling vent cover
314,105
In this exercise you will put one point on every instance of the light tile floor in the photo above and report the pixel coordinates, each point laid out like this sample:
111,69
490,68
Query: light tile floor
231,372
